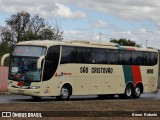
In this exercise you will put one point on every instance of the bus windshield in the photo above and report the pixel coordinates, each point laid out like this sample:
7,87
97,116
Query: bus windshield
24,69
23,65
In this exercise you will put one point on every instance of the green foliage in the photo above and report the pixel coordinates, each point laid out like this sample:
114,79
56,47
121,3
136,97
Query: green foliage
4,48
125,42
23,27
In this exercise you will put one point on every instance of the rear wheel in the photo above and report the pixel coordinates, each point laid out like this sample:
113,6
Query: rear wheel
137,91
64,93
128,92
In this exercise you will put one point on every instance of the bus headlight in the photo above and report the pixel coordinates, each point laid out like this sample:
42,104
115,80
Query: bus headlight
10,85
34,87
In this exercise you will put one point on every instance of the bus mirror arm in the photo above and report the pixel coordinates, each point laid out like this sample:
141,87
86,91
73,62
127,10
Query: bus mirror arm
3,58
40,61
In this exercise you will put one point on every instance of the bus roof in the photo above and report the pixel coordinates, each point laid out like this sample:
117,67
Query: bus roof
84,43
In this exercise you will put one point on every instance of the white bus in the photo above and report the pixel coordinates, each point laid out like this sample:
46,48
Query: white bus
62,69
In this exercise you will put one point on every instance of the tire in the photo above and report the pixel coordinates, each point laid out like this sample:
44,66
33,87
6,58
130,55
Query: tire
64,93
137,91
128,92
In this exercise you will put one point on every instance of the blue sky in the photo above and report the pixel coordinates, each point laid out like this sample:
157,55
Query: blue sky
137,20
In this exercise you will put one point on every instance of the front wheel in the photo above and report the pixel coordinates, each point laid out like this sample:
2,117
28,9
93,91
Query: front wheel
137,92
64,93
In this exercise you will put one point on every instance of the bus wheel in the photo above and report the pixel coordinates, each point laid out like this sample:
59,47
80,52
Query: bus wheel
64,93
36,97
137,91
128,91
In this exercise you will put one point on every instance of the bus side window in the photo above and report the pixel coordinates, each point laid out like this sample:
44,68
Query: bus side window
137,58
147,60
112,56
86,55
125,57
51,62
68,55
98,56
79,55
154,58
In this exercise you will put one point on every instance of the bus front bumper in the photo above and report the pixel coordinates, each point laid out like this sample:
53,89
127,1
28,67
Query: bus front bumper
21,91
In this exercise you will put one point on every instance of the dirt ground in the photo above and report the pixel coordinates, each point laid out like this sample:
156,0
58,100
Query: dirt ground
120,106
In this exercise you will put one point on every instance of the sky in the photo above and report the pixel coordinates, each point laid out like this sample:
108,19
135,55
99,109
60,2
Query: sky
138,20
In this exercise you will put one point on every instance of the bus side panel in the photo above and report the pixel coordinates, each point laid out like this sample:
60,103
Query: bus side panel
87,80
115,82
149,78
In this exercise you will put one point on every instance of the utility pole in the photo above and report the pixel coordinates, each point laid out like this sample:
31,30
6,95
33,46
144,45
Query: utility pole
100,37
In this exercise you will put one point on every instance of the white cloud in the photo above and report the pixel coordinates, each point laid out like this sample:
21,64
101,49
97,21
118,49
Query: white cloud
124,9
46,8
66,12
99,24
75,35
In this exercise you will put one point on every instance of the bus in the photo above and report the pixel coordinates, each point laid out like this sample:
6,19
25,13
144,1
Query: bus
65,68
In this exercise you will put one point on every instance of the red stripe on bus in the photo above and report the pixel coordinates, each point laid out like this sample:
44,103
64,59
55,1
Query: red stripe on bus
56,75
67,73
20,84
136,72
131,49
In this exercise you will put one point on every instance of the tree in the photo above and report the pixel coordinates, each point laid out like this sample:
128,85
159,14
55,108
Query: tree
36,25
125,42
49,33
7,36
26,27
18,23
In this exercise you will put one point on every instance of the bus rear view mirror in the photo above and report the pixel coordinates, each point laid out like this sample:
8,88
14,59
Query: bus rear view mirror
40,61
3,58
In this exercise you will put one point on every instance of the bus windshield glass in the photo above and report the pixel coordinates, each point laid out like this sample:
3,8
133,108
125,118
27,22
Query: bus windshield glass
24,69
23,66
34,51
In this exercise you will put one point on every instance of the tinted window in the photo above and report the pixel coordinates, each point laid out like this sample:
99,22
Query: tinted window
125,57
154,58
75,55
51,62
112,57
137,58
147,58
107,56
69,55
98,56
86,55
79,55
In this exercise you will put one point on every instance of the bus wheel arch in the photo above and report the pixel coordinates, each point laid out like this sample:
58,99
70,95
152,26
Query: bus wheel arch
138,90
65,92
